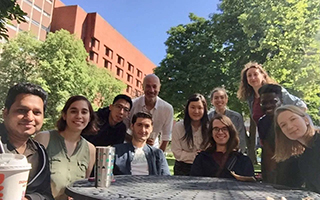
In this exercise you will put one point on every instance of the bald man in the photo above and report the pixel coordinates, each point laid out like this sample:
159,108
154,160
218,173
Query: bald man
161,111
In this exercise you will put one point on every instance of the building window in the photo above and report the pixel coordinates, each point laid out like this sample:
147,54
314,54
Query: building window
120,60
130,68
107,64
95,43
109,52
45,28
93,56
46,14
129,89
28,1
139,73
37,8
138,83
129,78
35,22
119,72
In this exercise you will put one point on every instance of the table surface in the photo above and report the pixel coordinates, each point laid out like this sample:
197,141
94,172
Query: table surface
181,187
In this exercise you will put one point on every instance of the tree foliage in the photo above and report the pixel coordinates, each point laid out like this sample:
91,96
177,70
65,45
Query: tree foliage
280,34
9,10
59,65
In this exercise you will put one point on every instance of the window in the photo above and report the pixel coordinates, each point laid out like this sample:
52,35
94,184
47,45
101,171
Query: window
119,72
93,56
46,14
45,28
35,22
107,64
130,67
28,1
139,73
95,43
109,52
138,83
37,8
129,78
120,60
129,89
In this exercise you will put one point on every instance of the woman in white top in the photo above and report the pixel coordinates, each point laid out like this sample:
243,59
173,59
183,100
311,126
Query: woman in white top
189,136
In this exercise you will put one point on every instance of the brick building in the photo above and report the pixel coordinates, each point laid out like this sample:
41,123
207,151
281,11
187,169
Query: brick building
106,47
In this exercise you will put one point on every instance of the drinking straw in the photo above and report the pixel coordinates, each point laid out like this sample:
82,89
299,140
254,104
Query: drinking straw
1,146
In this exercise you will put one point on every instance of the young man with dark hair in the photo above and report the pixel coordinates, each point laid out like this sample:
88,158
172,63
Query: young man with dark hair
283,173
137,157
22,117
112,130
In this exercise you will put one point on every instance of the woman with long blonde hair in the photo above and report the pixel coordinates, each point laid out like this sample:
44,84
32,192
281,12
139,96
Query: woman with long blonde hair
295,136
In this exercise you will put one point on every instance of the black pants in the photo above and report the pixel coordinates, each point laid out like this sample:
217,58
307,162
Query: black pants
181,168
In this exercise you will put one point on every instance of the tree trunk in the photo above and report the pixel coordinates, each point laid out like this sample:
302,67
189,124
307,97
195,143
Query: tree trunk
251,142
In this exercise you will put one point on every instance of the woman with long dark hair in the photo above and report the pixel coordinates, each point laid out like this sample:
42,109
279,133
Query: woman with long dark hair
71,157
189,136
222,157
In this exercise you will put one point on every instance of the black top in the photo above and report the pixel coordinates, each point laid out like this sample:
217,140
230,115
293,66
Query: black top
205,165
107,134
38,187
309,165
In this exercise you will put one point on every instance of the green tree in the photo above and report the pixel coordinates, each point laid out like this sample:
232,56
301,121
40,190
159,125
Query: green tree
59,65
9,10
281,35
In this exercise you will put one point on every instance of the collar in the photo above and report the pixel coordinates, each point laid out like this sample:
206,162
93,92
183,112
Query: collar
143,102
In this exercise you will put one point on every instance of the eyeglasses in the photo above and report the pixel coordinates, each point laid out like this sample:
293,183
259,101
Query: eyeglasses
217,129
120,107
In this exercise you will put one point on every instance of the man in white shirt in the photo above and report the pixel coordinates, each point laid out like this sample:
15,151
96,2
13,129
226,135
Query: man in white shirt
137,157
161,111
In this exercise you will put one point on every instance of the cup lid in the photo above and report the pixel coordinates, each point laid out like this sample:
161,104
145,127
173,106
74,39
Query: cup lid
14,161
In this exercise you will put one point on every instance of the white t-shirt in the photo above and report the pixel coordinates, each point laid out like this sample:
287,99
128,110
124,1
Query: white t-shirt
139,164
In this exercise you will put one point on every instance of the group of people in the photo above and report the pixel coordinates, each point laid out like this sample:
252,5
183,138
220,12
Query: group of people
203,144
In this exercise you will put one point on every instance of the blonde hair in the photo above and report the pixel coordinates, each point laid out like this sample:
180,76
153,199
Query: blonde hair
245,90
285,148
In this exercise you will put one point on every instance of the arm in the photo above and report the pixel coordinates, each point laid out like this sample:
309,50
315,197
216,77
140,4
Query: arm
167,130
290,99
92,153
43,138
177,145
163,145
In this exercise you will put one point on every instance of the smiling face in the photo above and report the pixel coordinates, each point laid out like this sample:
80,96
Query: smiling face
151,87
196,110
292,125
141,129
25,116
220,133
118,111
255,78
77,116
219,100
269,102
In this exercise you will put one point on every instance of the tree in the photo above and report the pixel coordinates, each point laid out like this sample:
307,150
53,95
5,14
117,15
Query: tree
278,34
9,10
59,65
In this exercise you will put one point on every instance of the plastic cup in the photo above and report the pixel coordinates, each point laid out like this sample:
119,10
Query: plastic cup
14,172
104,166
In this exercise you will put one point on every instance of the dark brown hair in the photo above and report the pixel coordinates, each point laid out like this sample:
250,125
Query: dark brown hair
233,142
91,128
